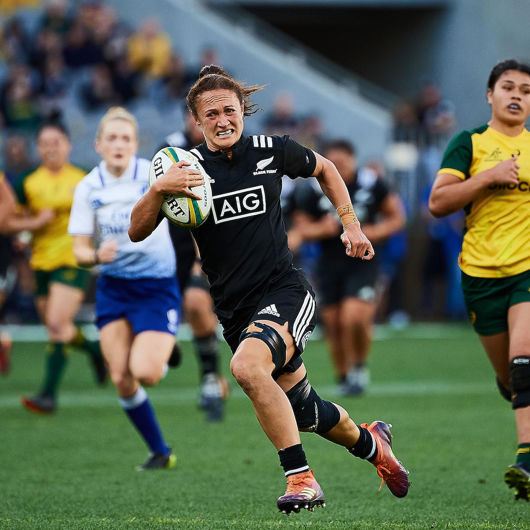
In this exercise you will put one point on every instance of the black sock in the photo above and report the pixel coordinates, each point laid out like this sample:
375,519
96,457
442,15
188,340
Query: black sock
293,460
207,353
365,447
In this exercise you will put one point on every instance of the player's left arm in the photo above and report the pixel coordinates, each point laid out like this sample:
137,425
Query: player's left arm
356,243
393,219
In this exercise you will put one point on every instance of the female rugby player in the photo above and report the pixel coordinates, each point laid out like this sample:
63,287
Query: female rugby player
137,298
46,195
486,171
265,306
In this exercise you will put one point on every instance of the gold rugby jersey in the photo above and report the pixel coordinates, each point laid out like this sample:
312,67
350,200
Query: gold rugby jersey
52,246
497,232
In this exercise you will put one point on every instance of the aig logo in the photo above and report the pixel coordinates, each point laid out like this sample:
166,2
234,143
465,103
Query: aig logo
238,204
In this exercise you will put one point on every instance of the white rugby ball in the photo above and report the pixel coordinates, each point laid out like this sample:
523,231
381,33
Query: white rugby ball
180,209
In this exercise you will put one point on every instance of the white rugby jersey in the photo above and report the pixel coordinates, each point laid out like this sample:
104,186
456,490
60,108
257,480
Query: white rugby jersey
102,208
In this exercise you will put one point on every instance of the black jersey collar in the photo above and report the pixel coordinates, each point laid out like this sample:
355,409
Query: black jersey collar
238,148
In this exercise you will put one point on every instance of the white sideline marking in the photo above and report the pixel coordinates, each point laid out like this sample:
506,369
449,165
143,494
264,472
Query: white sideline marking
168,396
428,331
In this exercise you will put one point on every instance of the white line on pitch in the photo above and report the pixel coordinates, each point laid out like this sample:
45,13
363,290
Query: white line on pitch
174,395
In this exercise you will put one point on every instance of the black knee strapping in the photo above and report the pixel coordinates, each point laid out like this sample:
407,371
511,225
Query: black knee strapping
271,338
506,393
520,381
312,413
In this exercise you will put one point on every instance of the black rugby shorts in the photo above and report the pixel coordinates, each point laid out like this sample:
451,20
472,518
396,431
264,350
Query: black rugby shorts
351,279
290,299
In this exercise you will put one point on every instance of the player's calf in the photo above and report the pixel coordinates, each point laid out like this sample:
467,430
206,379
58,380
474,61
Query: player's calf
312,413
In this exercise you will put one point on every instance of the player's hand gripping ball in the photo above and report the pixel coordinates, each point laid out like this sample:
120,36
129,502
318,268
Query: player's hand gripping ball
181,209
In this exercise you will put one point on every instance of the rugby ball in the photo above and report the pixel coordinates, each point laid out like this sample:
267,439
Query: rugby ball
180,209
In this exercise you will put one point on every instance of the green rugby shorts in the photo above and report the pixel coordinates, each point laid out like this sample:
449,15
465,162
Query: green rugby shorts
488,300
72,276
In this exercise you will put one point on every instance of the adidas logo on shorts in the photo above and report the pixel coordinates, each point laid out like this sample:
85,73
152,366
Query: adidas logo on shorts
269,310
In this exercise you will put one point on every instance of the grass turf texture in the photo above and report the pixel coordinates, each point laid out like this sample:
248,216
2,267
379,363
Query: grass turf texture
76,469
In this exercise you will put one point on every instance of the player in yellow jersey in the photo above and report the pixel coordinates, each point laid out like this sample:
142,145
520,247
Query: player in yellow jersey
486,171
46,195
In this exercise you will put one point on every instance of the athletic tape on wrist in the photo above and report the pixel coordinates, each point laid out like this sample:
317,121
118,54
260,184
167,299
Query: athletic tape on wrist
347,214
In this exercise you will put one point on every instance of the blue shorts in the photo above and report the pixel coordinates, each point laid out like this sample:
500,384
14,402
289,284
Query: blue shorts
149,304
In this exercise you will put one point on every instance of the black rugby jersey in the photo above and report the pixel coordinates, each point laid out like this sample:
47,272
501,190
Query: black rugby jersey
243,245
367,193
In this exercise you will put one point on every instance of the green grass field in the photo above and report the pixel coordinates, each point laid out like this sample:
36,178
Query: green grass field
452,430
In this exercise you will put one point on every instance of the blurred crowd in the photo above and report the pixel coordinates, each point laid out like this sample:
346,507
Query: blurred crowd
84,55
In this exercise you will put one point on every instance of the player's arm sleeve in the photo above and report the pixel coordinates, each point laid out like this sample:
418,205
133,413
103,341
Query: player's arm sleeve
298,161
82,218
458,156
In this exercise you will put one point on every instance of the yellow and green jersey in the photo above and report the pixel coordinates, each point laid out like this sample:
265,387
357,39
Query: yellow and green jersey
43,189
497,233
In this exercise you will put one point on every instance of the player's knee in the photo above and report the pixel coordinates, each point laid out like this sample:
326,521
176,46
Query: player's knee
148,375
123,382
520,381
272,339
247,371
353,320
194,302
57,328
312,413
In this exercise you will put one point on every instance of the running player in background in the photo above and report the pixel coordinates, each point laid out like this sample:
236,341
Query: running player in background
137,297
7,209
347,287
46,195
486,172
265,305
197,302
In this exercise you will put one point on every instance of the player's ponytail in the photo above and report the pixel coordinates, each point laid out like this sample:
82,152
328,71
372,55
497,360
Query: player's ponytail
212,69
213,77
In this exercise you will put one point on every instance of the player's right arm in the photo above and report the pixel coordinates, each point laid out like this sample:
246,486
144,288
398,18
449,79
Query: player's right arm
177,180
453,189
87,255
82,225
450,194
19,219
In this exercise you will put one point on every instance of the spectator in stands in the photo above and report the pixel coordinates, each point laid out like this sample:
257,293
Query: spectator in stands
56,17
46,44
175,84
53,87
89,15
310,132
282,119
116,35
125,80
436,120
78,49
149,49
18,101
99,91
15,42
